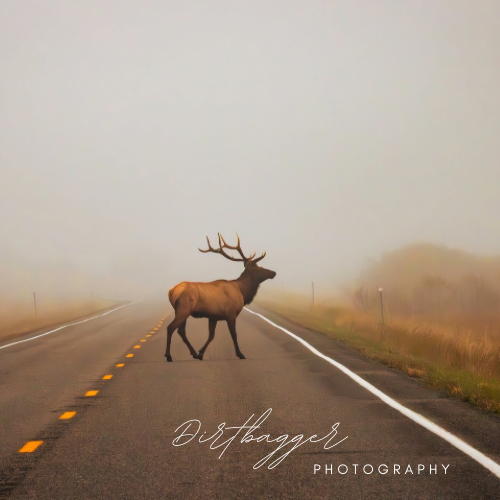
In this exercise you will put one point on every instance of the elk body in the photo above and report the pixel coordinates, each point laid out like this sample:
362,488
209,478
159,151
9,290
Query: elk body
220,300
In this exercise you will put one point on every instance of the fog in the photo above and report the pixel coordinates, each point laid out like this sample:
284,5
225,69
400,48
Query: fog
325,133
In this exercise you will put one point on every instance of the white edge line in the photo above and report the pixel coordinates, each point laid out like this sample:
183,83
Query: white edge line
416,417
70,324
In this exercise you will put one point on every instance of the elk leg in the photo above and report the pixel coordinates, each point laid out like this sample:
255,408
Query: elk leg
231,323
212,323
182,332
179,319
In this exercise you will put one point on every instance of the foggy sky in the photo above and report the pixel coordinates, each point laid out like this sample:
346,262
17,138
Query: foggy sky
324,132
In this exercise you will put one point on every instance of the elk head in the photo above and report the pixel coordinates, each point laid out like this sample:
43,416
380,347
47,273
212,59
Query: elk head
252,270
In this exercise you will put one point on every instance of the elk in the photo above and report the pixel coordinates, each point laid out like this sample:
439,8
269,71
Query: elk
220,300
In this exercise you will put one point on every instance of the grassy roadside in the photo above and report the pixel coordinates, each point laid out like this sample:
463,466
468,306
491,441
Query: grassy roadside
464,364
15,321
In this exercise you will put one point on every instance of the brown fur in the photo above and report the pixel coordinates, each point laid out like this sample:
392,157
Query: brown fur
220,300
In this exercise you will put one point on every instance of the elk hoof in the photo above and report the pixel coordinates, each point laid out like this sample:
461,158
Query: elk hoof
169,358
200,356
195,356
240,355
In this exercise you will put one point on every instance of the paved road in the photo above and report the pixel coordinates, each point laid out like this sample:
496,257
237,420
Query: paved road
119,444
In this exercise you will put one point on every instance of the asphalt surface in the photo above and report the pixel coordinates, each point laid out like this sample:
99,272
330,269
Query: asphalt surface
119,444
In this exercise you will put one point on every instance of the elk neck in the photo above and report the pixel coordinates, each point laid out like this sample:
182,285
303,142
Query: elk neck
248,286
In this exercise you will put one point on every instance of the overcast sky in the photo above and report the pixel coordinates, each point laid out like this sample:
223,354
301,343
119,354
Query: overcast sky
324,132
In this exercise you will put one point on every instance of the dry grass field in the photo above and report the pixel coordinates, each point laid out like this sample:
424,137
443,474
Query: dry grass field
17,318
462,361
441,320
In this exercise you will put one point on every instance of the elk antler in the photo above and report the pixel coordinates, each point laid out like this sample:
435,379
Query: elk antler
221,251
237,247
259,258
223,244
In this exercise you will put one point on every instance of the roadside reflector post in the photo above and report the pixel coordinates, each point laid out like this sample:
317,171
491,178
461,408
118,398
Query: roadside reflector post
382,321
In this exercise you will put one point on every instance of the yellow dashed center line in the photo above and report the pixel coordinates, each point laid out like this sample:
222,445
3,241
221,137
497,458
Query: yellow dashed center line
67,414
30,446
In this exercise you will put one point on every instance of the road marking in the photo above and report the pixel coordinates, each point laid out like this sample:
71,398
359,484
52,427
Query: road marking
67,414
152,332
154,329
70,324
91,393
30,446
119,365
129,355
148,335
143,340
412,415
137,347
107,377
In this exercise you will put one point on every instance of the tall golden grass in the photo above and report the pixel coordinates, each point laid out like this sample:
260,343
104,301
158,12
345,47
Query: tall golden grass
440,304
18,317
441,318
464,362
475,349
63,292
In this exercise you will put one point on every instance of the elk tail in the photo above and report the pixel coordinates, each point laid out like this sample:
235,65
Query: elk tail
170,294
